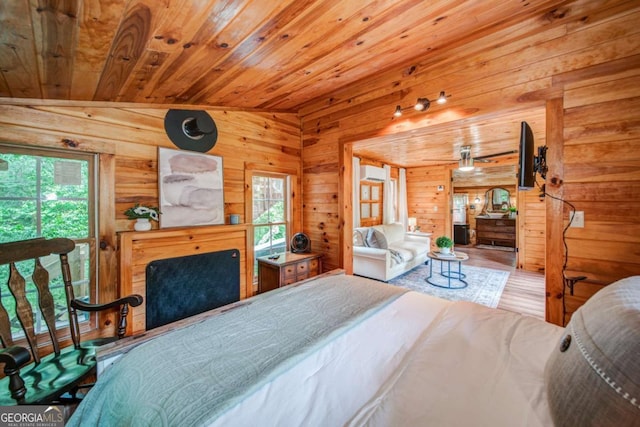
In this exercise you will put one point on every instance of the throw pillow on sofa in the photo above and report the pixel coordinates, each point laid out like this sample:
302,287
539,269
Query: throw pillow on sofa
376,239
358,238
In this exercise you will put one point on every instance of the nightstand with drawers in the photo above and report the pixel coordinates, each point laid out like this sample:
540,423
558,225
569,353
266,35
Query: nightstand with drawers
286,269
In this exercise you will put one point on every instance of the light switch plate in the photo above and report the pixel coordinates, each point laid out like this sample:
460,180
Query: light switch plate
578,219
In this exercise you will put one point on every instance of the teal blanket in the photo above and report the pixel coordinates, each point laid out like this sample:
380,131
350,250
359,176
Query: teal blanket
193,375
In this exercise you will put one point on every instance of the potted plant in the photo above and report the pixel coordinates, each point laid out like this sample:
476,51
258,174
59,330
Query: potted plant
444,244
512,212
142,215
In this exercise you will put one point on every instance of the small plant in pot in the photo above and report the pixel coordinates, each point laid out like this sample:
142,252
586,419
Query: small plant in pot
444,244
142,214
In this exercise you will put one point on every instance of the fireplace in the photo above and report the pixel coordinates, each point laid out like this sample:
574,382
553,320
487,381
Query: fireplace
177,288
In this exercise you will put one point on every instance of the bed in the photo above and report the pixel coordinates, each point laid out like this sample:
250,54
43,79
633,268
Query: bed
330,351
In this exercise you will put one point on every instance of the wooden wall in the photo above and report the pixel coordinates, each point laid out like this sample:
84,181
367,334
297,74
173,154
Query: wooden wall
531,231
428,204
586,55
601,172
127,138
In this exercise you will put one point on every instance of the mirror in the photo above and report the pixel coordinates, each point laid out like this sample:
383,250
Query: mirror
496,200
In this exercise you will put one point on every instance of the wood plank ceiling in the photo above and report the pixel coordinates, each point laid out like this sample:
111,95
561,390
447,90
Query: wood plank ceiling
437,145
274,55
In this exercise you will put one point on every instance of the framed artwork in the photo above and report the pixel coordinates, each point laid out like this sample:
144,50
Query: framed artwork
191,188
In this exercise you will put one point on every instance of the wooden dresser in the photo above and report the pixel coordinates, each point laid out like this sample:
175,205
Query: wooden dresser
496,232
288,268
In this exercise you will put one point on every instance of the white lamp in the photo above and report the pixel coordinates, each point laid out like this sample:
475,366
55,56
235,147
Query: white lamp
412,222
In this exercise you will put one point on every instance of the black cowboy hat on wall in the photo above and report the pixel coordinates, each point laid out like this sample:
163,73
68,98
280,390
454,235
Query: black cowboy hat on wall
192,130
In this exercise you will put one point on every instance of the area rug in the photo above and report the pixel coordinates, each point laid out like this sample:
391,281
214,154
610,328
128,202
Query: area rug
485,284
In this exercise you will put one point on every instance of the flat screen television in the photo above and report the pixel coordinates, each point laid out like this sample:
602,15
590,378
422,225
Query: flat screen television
526,169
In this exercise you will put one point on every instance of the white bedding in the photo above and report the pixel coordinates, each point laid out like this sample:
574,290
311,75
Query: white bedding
420,361
339,350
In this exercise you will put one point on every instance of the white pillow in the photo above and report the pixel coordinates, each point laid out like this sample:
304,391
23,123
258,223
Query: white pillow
358,239
376,239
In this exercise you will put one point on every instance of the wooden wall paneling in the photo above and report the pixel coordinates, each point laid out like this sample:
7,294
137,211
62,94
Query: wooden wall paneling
618,85
345,200
105,131
127,139
107,244
426,203
531,230
322,210
601,173
555,213
322,223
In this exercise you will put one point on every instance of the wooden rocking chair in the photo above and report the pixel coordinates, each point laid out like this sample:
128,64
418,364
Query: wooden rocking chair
29,378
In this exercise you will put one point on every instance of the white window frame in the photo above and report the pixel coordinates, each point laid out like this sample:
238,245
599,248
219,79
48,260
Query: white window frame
287,213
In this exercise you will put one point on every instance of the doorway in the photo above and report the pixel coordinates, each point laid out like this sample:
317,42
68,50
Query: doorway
482,223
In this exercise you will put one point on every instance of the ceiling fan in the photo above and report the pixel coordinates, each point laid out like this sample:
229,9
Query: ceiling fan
466,161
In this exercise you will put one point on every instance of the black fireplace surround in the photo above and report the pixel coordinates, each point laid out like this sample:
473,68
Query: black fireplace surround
181,287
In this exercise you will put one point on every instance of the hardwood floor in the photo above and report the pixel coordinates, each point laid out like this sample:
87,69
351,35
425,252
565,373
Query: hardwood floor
525,290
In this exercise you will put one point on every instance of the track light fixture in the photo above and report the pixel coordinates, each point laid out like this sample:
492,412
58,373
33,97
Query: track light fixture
422,104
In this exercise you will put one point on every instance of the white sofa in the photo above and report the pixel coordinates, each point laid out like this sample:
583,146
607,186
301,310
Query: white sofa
383,252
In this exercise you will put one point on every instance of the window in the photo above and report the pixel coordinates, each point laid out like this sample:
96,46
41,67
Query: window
48,193
370,203
270,218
